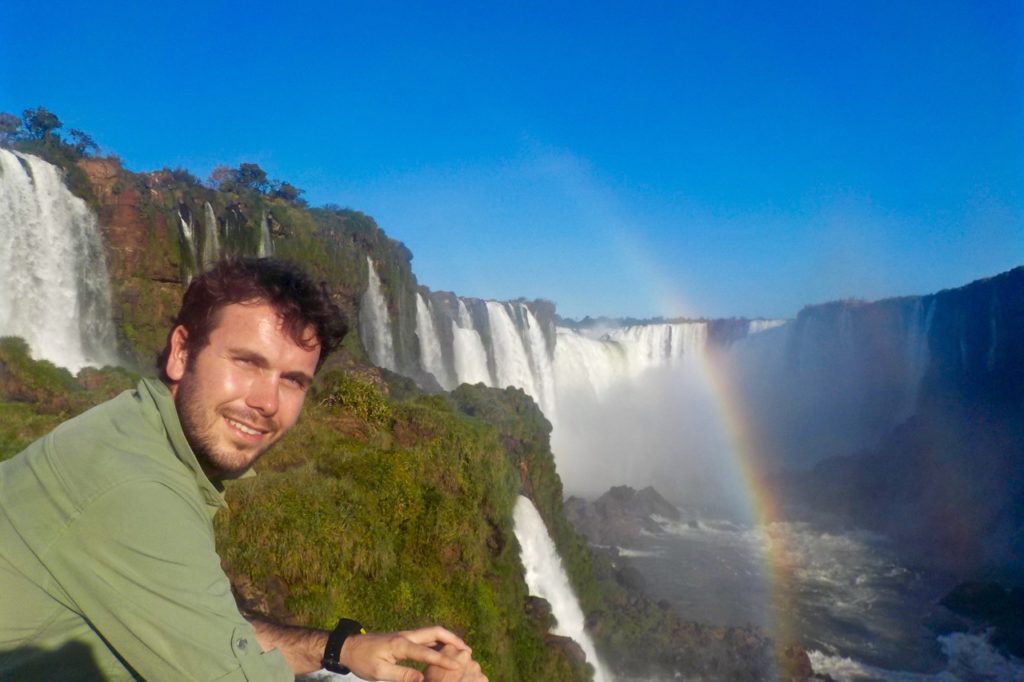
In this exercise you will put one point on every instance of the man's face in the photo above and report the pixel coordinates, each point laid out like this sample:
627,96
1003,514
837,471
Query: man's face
241,392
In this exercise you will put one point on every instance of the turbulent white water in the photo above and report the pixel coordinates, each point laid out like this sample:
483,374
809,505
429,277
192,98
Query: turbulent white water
55,291
546,578
374,322
857,609
969,658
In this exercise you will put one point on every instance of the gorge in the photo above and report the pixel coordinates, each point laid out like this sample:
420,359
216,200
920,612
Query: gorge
902,415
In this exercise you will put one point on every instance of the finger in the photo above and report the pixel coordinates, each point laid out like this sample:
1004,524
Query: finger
408,650
453,651
434,635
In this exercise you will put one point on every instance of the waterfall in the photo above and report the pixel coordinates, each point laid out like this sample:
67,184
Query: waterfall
511,359
266,247
637,404
918,327
468,350
430,346
758,326
187,234
374,322
55,292
655,345
586,364
546,578
540,361
211,240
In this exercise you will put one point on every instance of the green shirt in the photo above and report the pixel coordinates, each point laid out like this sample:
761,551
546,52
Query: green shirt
107,559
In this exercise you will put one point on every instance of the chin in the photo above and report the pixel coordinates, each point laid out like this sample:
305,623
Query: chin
226,468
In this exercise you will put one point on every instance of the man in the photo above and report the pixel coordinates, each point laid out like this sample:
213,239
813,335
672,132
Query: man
108,567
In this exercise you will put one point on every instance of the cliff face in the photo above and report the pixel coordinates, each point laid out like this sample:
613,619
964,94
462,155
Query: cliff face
143,262
948,481
976,346
161,228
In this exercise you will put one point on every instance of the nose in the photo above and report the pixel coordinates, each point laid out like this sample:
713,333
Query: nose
263,395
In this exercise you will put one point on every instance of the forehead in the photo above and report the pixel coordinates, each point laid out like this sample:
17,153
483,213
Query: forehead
259,327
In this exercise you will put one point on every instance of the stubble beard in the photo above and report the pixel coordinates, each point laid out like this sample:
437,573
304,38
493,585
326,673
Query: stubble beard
199,422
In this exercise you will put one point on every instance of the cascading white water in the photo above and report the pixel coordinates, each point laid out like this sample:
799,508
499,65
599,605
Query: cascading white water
546,578
590,365
511,359
540,361
657,345
211,240
265,249
758,326
374,322
633,408
468,350
55,291
430,346
188,243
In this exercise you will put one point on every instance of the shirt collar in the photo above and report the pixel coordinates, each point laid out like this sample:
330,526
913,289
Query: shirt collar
161,396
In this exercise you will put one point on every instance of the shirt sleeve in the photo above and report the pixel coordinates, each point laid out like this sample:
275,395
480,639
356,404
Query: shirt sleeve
140,565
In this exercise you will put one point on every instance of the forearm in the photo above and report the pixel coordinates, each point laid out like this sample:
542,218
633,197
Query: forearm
303,648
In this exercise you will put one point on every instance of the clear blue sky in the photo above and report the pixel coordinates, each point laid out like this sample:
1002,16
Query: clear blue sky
702,158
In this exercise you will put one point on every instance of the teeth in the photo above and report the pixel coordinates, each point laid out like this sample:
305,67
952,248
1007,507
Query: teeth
243,428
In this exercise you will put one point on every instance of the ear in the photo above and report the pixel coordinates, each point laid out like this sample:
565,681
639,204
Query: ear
177,360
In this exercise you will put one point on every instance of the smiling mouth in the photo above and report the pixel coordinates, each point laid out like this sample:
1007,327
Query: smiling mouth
245,428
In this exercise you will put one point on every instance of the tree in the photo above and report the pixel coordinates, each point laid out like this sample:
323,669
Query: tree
223,178
252,176
83,142
9,126
286,191
40,123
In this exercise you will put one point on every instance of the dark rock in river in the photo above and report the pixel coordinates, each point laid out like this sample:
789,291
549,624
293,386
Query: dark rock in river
993,606
621,516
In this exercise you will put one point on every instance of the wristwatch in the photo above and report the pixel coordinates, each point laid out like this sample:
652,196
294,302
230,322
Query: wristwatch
332,652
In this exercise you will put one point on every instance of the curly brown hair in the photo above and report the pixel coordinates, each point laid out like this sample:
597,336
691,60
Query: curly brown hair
281,284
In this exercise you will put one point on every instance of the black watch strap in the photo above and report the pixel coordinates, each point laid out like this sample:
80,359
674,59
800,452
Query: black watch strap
332,652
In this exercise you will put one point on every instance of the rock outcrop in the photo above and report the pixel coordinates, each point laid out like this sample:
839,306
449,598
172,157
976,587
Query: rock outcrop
622,516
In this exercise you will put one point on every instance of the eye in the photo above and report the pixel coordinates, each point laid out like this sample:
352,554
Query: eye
295,382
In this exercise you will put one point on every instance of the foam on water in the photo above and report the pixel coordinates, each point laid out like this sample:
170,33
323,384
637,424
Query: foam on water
969,657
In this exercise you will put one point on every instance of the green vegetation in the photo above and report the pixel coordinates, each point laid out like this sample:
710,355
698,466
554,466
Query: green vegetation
36,396
395,512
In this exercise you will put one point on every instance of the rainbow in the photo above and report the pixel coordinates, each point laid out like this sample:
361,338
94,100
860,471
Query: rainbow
762,507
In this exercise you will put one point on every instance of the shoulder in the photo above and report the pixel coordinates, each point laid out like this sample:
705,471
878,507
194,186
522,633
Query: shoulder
117,444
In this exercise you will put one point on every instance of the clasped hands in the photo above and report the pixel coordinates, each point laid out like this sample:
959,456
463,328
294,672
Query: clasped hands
376,656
